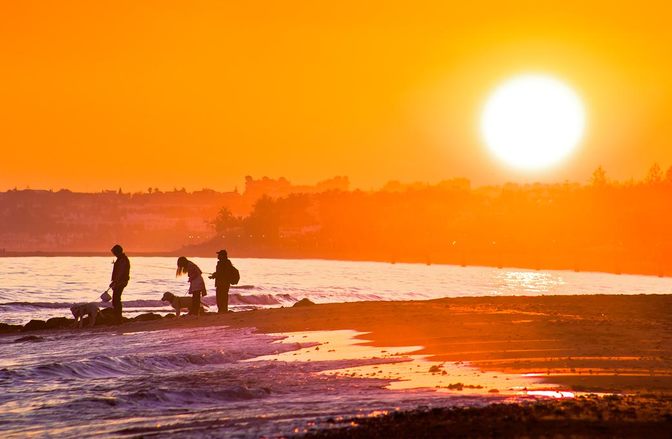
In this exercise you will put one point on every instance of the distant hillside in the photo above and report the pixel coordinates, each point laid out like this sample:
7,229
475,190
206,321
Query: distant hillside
604,226
152,221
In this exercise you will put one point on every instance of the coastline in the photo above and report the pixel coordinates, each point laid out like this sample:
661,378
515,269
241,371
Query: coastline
583,417
590,343
584,344
195,252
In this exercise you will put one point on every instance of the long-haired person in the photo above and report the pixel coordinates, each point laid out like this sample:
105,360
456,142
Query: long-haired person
196,282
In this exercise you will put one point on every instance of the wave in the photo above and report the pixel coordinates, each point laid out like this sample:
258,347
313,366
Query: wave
260,299
167,354
196,396
52,305
234,299
103,366
160,399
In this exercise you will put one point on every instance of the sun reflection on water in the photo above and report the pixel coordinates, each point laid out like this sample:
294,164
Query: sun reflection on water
405,371
517,282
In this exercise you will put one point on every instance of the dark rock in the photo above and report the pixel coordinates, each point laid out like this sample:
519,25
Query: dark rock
35,325
105,317
106,312
59,323
303,302
6,327
86,322
147,317
30,338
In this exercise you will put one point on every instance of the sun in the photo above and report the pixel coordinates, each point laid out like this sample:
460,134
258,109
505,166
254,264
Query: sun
533,121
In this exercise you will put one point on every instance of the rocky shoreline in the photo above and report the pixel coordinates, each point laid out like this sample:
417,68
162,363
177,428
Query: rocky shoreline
621,345
105,318
623,416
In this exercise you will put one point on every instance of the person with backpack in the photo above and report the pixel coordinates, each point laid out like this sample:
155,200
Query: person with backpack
120,277
225,274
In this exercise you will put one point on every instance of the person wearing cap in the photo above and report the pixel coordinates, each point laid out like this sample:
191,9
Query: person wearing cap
120,277
222,280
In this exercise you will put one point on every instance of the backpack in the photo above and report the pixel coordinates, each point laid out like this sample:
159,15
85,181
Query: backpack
234,275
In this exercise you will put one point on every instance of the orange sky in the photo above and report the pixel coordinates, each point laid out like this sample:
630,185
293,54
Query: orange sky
98,94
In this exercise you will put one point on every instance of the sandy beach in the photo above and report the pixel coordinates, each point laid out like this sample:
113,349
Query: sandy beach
585,343
620,344
570,345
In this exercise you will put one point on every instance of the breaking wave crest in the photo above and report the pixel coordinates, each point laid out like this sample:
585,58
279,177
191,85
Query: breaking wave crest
109,367
234,299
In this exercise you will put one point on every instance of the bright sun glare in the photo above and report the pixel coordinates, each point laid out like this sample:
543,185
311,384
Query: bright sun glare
533,121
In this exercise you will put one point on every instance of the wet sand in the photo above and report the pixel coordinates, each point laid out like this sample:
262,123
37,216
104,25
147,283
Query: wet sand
583,417
620,344
586,343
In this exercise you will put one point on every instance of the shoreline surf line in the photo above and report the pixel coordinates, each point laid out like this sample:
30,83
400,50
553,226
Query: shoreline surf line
452,263
605,334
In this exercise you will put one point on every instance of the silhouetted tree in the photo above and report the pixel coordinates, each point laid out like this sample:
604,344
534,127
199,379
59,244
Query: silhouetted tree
654,175
225,221
263,220
599,177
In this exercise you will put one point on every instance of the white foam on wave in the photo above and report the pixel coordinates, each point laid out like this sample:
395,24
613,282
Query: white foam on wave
129,380
234,299
274,283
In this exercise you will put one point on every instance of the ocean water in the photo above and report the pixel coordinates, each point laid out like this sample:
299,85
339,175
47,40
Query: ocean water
205,382
43,287
218,381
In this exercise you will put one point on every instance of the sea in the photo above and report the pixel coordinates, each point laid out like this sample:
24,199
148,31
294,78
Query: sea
226,382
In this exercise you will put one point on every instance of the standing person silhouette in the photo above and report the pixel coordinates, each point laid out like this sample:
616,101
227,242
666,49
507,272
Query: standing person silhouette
222,279
120,276
196,282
